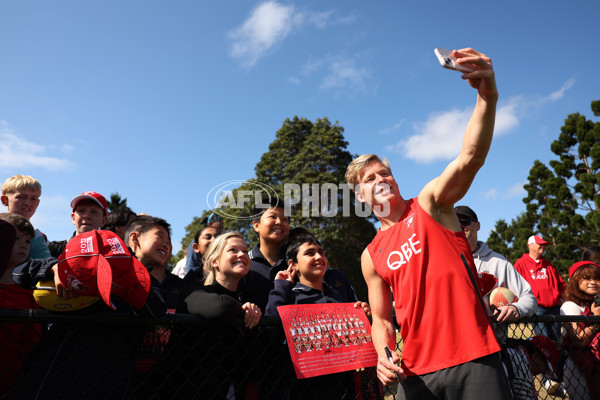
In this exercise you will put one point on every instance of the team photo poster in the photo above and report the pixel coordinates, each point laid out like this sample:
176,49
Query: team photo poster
327,338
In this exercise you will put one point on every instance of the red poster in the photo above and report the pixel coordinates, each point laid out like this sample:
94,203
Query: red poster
327,338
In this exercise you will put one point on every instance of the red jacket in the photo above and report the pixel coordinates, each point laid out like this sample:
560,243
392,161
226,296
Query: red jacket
546,284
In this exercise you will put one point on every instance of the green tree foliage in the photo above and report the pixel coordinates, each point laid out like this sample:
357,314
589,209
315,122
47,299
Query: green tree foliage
310,154
116,201
562,203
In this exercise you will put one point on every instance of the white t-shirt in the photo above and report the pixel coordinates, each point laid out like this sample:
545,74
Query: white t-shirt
570,308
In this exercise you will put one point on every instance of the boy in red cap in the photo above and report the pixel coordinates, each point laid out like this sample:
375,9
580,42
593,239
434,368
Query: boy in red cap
90,211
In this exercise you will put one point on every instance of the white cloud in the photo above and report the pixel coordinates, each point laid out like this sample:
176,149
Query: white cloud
516,190
343,73
293,80
491,194
561,92
440,137
17,152
387,131
269,24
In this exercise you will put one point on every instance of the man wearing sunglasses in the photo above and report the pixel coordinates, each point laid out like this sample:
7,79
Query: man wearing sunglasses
488,261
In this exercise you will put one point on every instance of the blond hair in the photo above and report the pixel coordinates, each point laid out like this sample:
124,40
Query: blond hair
17,182
214,252
358,164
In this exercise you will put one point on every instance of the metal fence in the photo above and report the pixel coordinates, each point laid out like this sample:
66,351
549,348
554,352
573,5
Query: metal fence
113,356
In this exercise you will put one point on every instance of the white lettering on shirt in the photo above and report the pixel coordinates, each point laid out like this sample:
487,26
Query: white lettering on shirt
408,249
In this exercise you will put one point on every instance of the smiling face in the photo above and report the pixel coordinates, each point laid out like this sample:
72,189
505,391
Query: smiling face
273,225
536,251
23,202
311,263
377,185
153,247
87,216
589,282
233,263
206,237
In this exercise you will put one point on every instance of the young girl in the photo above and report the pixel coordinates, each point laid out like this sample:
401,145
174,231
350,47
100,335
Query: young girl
204,237
582,340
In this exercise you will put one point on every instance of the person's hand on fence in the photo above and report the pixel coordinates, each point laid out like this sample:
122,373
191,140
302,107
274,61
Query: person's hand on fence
509,313
252,314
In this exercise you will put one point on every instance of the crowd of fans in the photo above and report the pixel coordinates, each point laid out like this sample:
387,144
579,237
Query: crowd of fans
221,280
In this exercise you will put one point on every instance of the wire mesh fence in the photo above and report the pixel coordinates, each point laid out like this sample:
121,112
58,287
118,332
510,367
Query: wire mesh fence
113,356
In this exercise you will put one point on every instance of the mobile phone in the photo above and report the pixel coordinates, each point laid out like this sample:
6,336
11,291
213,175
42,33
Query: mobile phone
448,61
597,300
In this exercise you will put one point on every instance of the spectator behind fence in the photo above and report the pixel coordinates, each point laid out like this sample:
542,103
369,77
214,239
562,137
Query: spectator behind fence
306,259
193,259
16,339
202,240
21,194
546,284
582,340
267,257
209,360
149,239
90,212
118,220
490,262
89,360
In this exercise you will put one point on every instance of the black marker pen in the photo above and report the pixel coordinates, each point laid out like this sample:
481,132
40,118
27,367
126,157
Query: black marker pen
388,353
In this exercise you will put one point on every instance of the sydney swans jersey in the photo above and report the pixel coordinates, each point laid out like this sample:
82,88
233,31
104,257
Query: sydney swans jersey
441,318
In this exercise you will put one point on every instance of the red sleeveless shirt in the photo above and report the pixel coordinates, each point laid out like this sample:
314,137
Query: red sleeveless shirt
442,322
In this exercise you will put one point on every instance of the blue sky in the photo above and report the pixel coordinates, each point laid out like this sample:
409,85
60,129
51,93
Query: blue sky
162,101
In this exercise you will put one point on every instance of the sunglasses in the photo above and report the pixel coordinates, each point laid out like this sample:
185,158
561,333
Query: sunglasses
465,221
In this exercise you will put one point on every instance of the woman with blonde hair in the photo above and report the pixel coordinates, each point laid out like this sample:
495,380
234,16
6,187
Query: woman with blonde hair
225,262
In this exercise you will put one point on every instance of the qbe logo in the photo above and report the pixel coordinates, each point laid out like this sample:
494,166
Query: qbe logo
396,258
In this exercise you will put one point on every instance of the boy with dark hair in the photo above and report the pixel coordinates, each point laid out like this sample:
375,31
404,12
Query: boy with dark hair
90,211
267,257
118,220
149,239
306,259
21,195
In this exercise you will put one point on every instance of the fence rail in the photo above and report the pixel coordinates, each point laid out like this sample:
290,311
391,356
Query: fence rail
47,355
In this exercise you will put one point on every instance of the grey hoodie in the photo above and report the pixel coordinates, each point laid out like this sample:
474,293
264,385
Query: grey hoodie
487,260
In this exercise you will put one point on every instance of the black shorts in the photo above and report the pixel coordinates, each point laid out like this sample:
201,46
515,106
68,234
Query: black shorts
482,378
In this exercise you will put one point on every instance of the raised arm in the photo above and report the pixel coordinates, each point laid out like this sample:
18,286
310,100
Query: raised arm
439,196
382,330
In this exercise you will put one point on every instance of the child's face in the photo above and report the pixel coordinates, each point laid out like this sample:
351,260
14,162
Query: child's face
153,247
273,225
590,283
87,216
312,262
23,202
20,250
204,240
234,261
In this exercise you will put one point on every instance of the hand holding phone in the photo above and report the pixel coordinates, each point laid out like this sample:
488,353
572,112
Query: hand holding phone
447,60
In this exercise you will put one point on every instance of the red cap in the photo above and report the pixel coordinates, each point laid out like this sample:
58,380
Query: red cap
96,197
578,264
487,282
97,263
548,348
537,239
